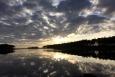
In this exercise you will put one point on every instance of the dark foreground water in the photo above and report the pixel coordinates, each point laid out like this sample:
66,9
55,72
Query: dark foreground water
46,63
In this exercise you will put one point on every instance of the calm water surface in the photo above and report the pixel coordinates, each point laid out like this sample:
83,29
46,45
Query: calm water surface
47,63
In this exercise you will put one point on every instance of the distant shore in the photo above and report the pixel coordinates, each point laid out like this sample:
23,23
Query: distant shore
6,48
100,48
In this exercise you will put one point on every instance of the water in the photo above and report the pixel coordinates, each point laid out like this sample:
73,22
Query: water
47,63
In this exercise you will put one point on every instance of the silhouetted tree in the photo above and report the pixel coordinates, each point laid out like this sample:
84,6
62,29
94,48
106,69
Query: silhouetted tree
101,47
5,48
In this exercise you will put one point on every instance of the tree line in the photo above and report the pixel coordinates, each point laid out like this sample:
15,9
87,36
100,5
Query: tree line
101,47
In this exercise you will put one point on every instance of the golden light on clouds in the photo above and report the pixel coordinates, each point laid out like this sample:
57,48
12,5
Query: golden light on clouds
59,39
76,37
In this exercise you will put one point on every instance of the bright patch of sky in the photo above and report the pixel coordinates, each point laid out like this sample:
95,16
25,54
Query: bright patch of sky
56,2
16,2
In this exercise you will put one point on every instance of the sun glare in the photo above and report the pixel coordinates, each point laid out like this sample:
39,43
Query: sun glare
59,56
58,39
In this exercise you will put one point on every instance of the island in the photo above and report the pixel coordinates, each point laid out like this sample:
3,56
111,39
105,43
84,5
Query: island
6,48
34,47
99,48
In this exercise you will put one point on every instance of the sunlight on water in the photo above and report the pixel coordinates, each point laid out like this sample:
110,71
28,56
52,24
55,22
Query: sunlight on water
51,63
50,54
58,56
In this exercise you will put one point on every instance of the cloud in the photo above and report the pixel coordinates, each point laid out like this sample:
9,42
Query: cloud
56,2
95,19
3,7
36,19
109,5
73,5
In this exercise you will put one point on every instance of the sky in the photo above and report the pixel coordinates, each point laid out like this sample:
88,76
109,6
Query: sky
42,22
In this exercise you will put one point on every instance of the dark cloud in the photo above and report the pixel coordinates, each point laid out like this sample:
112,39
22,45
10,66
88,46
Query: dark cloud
74,21
108,4
32,19
30,4
7,10
95,19
5,29
3,7
45,4
73,5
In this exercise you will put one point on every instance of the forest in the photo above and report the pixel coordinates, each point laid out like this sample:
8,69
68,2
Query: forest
100,48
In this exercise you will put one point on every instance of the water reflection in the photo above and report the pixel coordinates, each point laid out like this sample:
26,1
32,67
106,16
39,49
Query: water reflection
46,53
46,63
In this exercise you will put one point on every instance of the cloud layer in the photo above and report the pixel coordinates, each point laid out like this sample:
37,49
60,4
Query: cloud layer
36,19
